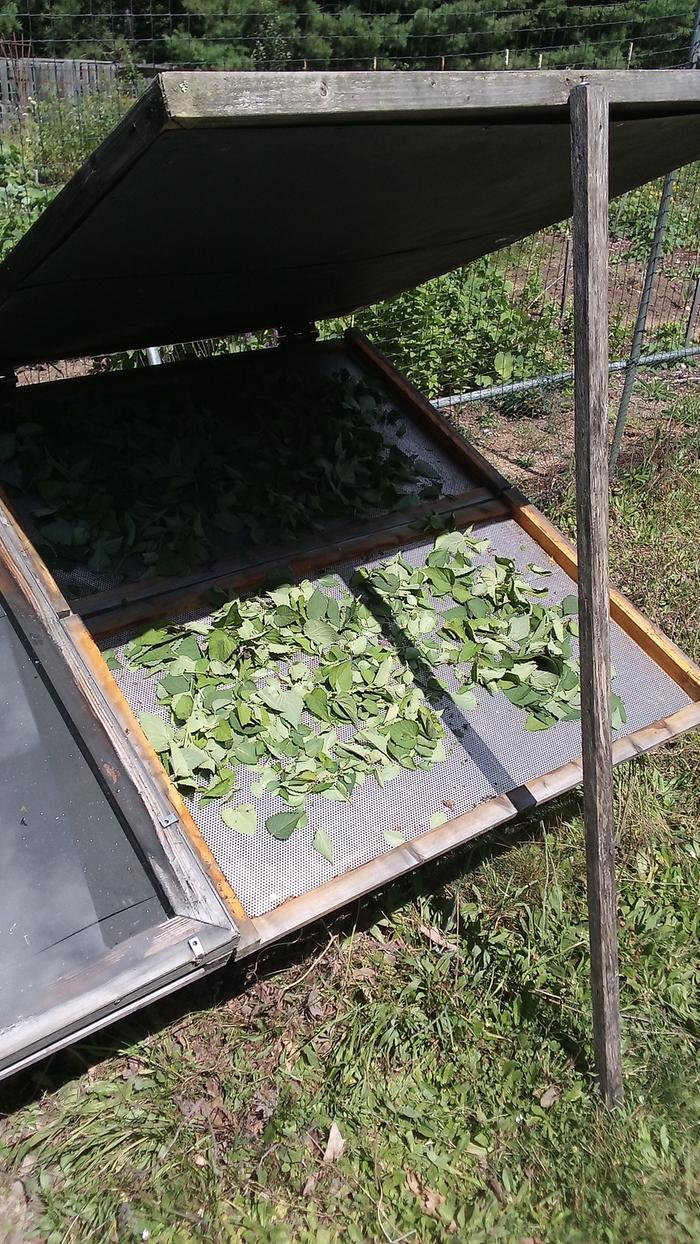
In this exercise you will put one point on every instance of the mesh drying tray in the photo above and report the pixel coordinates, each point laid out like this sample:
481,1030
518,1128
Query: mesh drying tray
488,752
218,402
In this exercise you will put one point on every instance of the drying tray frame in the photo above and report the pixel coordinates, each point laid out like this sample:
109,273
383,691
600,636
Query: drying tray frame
75,629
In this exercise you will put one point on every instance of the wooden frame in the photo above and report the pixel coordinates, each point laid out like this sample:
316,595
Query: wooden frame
492,498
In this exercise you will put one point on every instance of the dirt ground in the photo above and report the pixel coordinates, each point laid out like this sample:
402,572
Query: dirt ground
530,438
672,294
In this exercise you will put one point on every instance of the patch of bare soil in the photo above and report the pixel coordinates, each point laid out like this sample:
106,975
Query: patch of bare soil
673,289
64,369
531,440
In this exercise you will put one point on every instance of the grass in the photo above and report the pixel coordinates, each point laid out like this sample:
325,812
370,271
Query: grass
443,1027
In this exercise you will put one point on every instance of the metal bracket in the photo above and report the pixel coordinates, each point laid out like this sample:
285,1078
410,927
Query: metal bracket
168,818
197,949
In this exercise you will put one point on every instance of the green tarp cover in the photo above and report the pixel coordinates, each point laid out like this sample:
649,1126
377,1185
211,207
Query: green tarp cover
227,202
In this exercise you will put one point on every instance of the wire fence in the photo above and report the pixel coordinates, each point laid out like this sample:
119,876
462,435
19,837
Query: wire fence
496,329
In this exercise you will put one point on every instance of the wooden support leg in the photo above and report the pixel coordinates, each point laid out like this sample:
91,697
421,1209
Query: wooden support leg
589,160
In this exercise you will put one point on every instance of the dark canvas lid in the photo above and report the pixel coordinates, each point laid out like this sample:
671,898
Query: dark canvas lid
226,202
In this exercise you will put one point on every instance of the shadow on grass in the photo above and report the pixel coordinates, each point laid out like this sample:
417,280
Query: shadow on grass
236,979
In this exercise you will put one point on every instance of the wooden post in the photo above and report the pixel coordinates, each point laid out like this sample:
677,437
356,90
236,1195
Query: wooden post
589,110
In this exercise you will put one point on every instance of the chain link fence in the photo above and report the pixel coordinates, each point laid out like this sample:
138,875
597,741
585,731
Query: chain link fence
497,329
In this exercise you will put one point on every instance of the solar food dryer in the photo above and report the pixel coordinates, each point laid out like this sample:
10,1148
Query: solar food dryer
227,203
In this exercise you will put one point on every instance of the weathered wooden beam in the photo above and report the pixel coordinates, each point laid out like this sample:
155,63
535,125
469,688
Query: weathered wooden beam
204,99
589,106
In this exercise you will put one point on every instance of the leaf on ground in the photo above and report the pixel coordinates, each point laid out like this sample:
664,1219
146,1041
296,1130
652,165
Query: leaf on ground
335,1145
310,1185
437,937
550,1096
431,1201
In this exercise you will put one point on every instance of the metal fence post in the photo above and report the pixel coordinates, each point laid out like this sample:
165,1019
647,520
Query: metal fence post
649,278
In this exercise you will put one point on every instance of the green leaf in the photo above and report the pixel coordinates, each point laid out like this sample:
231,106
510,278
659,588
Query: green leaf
340,676
323,845
175,684
464,698
321,634
503,365
182,707
569,605
289,704
178,760
437,819
220,789
156,731
220,646
317,703
619,714
403,733
245,751
317,606
189,648
394,837
243,819
519,627
539,723
282,824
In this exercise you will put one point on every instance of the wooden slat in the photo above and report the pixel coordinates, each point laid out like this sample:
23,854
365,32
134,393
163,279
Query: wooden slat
202,98
589,161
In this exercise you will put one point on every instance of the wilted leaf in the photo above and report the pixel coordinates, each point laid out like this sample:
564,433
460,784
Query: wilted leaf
437,819
437,937
550,1096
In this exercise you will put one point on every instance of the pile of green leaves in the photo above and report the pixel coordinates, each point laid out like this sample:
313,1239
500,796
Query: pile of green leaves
498,635
163,484
294,684
316,694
